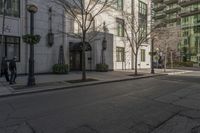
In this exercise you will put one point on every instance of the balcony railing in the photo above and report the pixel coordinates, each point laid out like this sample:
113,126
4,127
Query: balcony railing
160,15
159,7
170,1
172,10
172,19
157,1
187,2
185,13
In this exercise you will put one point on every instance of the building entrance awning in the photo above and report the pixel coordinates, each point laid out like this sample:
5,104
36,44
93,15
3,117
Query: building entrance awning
78,46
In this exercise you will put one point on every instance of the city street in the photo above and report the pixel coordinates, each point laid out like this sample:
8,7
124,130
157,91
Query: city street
165,104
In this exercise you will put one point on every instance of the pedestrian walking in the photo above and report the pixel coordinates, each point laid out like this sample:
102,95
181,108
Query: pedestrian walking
13,70
4,69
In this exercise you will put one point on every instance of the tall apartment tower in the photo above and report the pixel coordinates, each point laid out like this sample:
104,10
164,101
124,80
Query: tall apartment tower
186,14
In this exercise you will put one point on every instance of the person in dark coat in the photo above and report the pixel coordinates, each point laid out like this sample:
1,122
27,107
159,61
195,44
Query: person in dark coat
13,70
4,69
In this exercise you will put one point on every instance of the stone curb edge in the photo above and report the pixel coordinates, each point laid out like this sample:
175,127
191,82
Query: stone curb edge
76,86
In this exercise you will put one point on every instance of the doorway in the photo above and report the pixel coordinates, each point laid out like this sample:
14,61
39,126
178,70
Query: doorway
75,50
75,60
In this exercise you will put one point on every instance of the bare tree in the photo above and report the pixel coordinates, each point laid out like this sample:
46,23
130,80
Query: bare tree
167,40
137,33
84,13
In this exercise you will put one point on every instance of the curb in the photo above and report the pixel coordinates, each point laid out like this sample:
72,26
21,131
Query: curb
76,86
177,73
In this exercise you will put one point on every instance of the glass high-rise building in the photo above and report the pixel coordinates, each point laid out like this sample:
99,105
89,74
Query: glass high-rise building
186,14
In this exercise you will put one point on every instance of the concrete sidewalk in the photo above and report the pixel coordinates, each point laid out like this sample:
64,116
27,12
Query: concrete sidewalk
51,82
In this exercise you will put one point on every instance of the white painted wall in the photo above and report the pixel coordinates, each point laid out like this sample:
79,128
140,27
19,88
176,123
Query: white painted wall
46,57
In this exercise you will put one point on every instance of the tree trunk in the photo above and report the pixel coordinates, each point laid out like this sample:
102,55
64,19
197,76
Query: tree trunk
136,70
171,54
83,58
165,65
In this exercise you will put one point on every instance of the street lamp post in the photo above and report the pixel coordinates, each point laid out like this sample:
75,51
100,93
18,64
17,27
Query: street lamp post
3,27
152,54
32,9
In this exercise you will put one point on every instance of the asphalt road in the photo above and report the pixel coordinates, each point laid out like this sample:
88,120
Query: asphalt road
167,104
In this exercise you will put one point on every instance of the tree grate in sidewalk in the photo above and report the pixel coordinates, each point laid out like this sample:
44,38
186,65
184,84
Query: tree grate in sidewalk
81,81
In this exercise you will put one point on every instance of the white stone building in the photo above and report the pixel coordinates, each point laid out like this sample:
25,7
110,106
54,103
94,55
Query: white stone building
118,54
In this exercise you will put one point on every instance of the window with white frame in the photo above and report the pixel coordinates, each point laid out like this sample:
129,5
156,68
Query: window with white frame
120,54
143,55
120,27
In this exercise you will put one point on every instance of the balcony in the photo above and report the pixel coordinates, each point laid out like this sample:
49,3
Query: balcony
167,2
160,16
159,7
172,20
186,13
184,3
172,10
157,1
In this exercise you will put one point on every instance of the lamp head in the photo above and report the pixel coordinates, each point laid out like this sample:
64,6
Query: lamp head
32,8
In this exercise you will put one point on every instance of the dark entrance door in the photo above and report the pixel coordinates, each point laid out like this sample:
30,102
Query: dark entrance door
76,55
75,60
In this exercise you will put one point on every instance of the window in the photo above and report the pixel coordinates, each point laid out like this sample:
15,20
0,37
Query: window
12,8
120,4
142,18
142,8
120,54
185,33
196,29
143,54
185,42
12,47
197,44
120,27
197,18
185,20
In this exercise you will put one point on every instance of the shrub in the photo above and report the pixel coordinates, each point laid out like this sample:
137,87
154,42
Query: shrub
188,64
102,67
185,64
60,69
